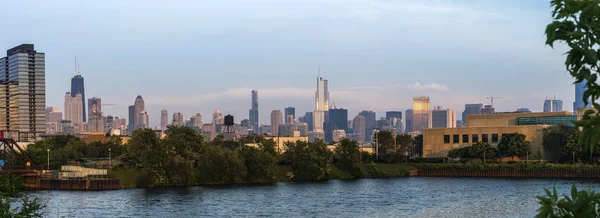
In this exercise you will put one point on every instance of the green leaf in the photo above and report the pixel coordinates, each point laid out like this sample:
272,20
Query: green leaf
590,56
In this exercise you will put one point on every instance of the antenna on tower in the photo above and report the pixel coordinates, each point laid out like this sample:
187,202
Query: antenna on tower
75,65
319,71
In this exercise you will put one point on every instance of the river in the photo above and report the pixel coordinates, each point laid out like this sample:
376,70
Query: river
395,197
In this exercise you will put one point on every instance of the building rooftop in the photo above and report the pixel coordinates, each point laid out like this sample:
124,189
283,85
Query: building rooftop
507,119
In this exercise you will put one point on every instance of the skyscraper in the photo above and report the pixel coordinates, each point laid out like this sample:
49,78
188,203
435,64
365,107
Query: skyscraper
321,104
77,87
488,109
553,105
196,121
443,118
218,118
579,90
409,120
164,120
308,119
23,89
144,120
131,121
393,114
254,112
276,120
73,111
96,118
139,106
471,109
370,118
339,117
359,128
290,111
178,119
421,113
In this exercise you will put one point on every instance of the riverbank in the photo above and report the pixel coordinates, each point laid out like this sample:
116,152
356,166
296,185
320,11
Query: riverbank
129,177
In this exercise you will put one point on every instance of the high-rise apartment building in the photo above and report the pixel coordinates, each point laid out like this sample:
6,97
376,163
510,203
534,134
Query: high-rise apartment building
77,87
138,107
321,104
471,109
218,118
553,105
579,90
73,111
339,117
23,89
370,119
358,125
289,111
409,120
421,113
276,120
443,118
254,112
196,121
164,120
178,119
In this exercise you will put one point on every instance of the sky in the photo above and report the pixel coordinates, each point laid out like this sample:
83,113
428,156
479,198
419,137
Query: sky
198,56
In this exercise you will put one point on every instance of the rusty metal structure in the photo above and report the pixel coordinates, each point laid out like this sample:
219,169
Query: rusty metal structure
14,156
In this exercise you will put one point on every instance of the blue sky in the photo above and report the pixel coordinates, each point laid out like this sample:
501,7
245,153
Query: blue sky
198,56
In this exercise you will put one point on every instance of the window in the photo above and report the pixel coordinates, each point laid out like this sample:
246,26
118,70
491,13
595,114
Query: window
494,138
465,138
446,139
455,139
474,138
484,137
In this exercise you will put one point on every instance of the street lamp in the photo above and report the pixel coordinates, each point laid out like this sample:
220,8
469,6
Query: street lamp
48,166
109,157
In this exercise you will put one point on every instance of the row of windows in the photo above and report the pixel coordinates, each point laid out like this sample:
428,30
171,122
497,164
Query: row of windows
474,138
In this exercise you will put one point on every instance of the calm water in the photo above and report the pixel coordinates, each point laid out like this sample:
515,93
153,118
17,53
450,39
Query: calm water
398,197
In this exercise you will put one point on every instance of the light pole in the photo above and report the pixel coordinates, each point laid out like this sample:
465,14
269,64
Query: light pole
48,166
109,158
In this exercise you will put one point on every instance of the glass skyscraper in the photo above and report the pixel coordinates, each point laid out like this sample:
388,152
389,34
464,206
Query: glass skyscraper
77,87
253,112
579,90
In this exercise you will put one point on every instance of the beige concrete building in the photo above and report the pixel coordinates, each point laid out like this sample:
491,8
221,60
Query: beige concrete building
490,128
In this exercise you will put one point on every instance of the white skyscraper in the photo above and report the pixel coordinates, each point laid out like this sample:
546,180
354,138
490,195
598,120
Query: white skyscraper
321,104
73,111
143,120
164,120
218,117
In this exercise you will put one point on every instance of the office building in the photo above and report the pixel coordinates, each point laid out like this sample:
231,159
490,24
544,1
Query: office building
178,119
276,120
471,109
139,106
490,128
339,117
144,120
131,121
338,135
218,118
246,123
254,112
265,129
302,128
53,114
393,114
164,120
370,118
77,87
443,118
321,104
358,125
73,111
289,111
23,88
580,89
421,113
525,110
95,116
553,105
488,109
308,119
328,128
196,121
409,120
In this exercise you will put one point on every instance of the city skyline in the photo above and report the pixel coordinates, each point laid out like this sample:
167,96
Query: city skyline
106,61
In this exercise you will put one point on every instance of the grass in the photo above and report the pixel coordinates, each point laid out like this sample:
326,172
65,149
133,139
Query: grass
127,178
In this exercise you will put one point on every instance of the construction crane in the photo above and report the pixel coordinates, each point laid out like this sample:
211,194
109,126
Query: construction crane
492,100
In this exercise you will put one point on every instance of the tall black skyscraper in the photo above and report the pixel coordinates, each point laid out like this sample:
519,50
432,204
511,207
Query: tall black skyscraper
77,87
289,111
131,123
308,119
339,117
253,112
370,118
393,114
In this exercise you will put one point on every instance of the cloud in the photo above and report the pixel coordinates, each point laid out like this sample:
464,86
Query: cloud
431,86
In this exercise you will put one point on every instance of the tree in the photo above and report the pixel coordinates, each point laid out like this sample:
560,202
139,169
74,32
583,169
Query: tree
513,144
579,204
219,165
149,154
577,24
310,160
10,188
347,154
260,162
